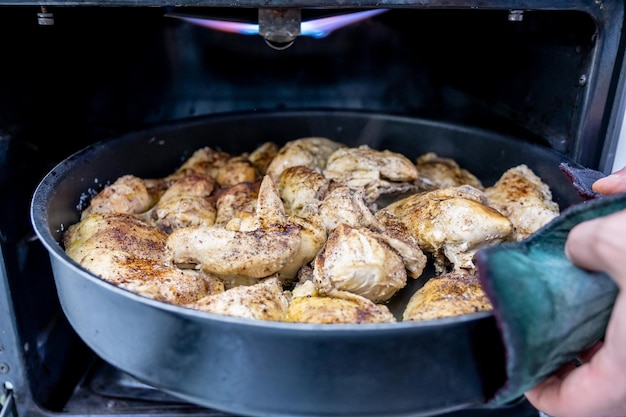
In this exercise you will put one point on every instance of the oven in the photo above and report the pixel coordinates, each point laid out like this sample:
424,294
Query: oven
74,73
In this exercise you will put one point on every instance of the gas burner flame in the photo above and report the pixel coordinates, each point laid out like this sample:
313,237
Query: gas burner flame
316,28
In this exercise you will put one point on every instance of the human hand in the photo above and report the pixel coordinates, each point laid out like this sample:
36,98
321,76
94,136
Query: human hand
612,184
596,388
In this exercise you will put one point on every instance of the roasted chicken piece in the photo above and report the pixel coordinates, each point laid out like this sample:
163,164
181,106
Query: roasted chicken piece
129,253
439,172
205,160
448,295
262,156
236,204
311,152
342,206
264,300
355,259
302,190
450,223
128,194
273,243
114,231
307,305
185,203
375,172
524,198
237,169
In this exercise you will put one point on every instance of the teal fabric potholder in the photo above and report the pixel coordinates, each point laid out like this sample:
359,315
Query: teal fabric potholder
547,310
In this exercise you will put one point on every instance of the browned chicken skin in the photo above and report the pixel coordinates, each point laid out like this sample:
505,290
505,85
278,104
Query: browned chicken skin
263,155
128,194
448,295
355,259
307,305
271,244
264,300
373,171
521,196
439,172
129,253
450,223
205,161
311,152
185,203
302,190
236,204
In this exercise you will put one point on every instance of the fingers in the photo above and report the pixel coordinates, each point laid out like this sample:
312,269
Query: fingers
611,184
582,392
599,245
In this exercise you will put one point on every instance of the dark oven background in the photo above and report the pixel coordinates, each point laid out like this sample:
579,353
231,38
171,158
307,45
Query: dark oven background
99,72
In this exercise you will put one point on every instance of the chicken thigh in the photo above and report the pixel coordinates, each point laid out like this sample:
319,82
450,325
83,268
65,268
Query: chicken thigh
185,203
272,244
375,172
311,152
356,260
450,223
524,198
439,172
264,300
448,295
307,305
128,194
129,253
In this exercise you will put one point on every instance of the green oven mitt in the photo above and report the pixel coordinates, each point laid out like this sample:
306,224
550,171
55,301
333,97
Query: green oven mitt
547,310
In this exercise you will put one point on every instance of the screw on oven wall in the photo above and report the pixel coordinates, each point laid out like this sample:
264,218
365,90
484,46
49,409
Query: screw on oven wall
45,18
582,80
516,15
4,368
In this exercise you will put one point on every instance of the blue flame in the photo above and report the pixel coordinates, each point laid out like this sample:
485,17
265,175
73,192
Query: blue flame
316,28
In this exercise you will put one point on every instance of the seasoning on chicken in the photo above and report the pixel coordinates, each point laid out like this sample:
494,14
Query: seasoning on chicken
450,223
439,172
355,259
264,300
524,198
302,190
307,305
263,155
448,295
237,169
129,253
342,206
272,244
205,160
311,152
128,194
236,204
376,172
185,203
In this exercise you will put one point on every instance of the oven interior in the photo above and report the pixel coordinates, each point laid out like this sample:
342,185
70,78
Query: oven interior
545,75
